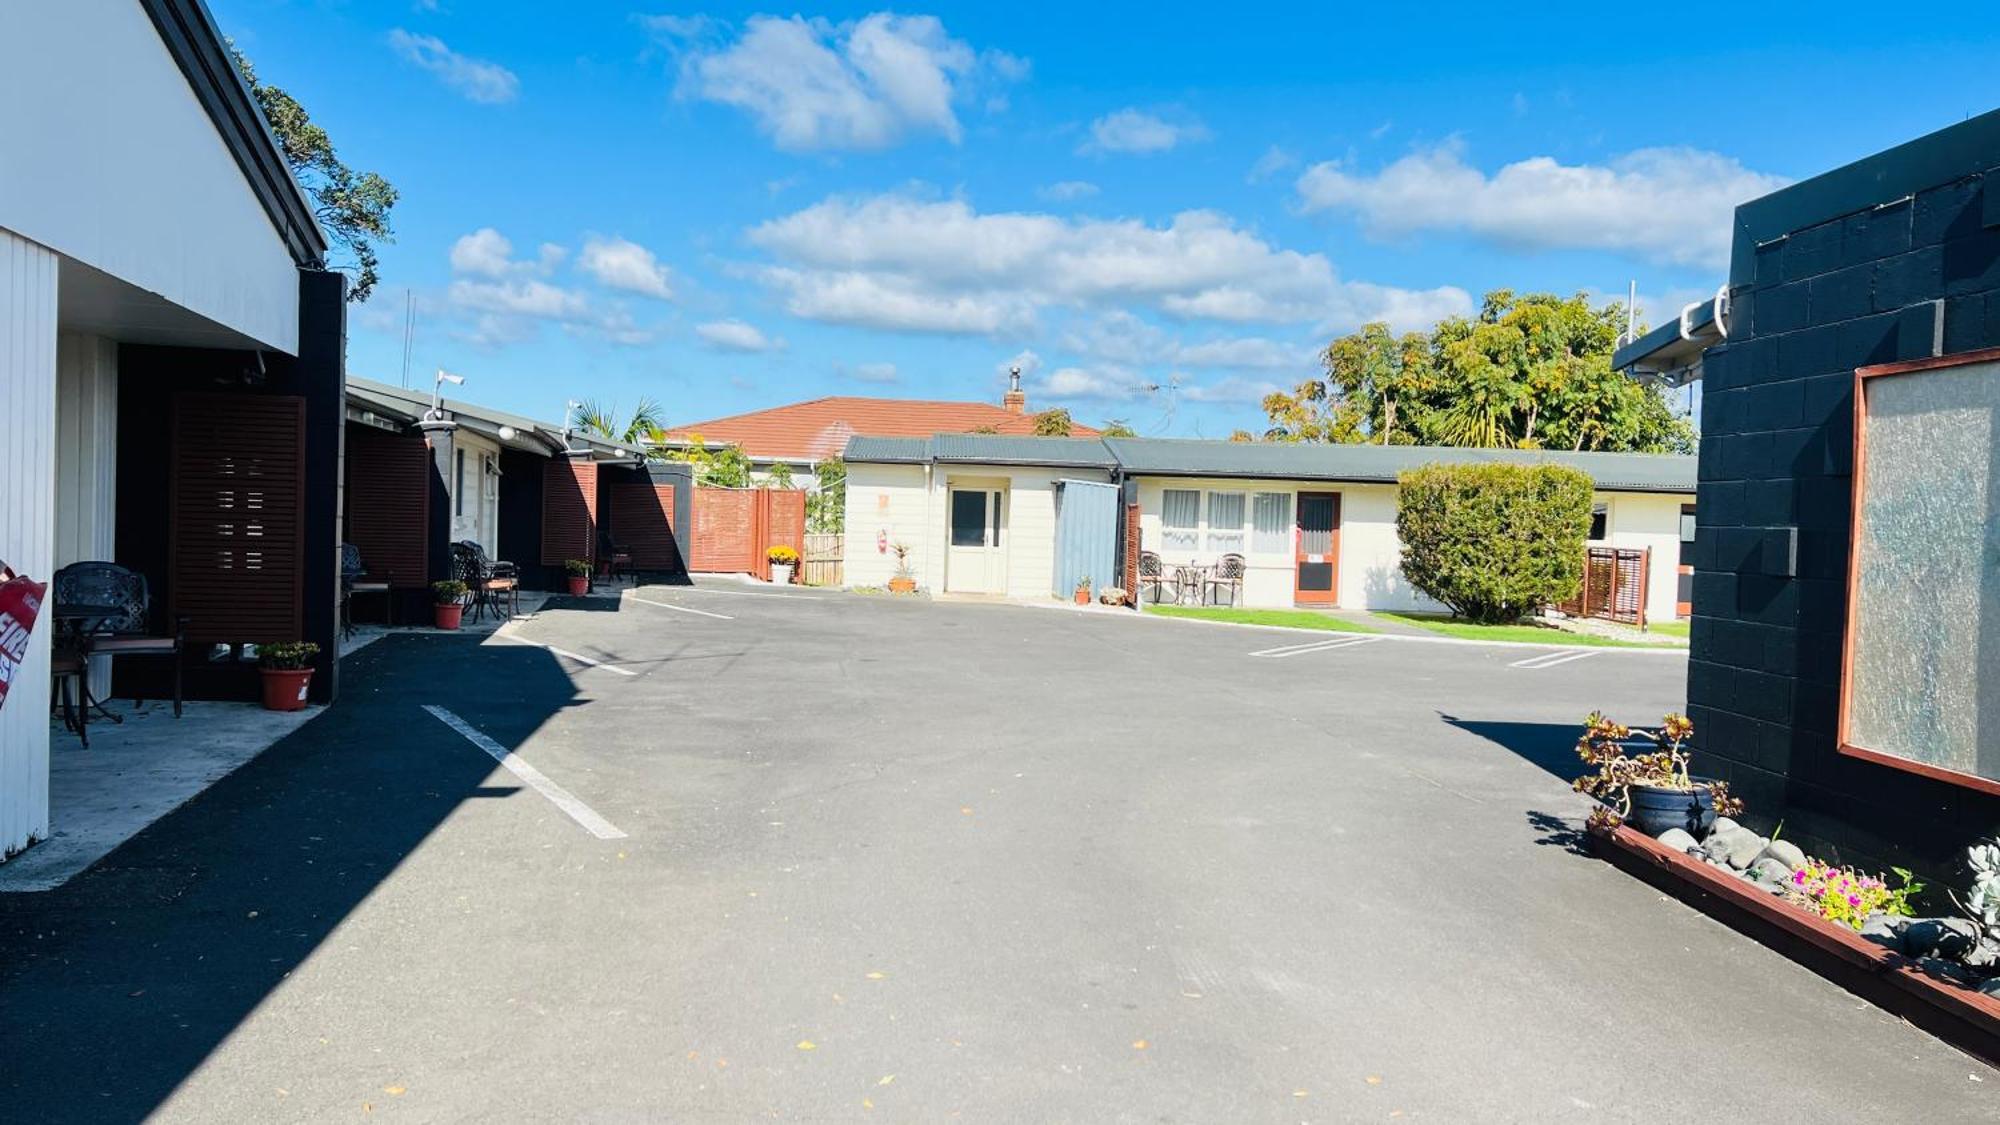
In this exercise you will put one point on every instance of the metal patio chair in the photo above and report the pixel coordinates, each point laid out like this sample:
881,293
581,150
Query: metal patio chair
128,632
1151,574
488,580
1228,573
355,578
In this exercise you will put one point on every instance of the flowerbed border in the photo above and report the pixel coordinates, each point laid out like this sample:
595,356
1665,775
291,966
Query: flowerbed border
1961,1016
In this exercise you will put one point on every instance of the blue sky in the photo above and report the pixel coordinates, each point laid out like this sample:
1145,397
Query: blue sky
1159,213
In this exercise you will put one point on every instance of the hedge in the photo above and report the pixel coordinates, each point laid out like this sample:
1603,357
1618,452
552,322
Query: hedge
1494,541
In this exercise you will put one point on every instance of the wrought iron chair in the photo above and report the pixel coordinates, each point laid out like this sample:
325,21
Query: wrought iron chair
613,559
69,687
488,580
1151,574
355,578
1228,573
129,633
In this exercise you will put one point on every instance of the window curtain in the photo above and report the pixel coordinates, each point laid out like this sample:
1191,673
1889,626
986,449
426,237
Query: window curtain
1225,522
1180,519
1272,534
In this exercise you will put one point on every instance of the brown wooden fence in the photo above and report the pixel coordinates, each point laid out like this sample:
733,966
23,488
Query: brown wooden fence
734,527
1614,585
820,562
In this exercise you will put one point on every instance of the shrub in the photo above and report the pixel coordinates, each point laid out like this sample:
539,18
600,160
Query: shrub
287,655
1494,541
1845,896
782,555
448,591
577,568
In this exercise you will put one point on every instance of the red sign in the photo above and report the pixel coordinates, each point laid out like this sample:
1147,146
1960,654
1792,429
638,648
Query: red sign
20,604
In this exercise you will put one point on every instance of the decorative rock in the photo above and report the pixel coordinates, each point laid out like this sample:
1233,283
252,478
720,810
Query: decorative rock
1722,824
1990,987
1677,839
1939,937
1770,872
1736,847
1785,852
1885,930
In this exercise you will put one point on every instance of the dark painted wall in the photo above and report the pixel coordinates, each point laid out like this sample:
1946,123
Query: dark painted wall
148,379
1895,278
521,519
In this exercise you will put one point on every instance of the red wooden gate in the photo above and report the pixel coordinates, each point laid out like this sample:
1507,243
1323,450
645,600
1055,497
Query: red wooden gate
236,546
569,511
734,528
642,522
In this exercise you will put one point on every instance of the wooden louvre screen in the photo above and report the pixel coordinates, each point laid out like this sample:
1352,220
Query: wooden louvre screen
642,522
389,504
236,539
569,511
783,525
723,531
1614,585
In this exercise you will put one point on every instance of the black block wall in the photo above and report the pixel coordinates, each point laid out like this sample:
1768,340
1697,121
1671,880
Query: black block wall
1898,280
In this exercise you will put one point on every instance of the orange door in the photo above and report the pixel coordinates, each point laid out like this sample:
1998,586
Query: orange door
1316,544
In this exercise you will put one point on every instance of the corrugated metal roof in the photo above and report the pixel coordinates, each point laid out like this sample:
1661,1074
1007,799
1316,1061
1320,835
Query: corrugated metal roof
820,427
1635,472
1620,472
411,405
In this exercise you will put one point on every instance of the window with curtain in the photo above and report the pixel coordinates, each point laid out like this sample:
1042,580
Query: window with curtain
1180,519
1271,532
1225,522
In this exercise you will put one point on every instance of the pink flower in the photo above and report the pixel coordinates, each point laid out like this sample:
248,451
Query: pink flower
1854,900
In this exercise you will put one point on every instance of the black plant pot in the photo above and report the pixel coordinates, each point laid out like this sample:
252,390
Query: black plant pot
1655,810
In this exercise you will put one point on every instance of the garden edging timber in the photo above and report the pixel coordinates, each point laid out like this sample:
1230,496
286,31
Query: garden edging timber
1961,1016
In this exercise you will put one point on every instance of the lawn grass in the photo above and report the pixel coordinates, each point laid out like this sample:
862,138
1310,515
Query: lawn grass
1669,629
1290,618
1532,634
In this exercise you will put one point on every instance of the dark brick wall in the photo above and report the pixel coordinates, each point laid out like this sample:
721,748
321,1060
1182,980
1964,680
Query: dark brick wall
1899,281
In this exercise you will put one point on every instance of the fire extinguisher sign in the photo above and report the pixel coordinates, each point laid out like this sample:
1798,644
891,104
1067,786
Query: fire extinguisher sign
20,604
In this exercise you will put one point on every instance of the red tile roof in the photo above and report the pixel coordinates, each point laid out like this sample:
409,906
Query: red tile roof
809,431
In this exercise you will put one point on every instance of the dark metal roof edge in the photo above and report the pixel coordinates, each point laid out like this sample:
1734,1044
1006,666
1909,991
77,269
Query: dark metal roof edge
191,36
1358,478
1661,338
1935,158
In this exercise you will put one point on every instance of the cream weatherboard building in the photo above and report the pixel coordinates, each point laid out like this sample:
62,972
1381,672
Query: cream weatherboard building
1315,524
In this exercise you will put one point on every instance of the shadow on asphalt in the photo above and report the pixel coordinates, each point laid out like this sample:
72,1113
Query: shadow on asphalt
115,987
1559,832
1552,746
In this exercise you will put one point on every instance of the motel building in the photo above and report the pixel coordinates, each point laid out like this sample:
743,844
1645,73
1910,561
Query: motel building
1028,518
171,351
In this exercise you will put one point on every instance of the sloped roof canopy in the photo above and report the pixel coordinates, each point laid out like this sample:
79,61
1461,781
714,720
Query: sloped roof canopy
820,428
406,407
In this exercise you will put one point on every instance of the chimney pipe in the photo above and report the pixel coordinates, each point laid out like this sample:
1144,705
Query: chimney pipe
1015,400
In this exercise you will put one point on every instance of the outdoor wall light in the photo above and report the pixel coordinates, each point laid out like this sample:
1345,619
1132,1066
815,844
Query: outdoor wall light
508,433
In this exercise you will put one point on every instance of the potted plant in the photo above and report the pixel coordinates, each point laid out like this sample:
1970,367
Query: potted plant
905,582
447,602
783,561
579,575
1083,590
1654,791
287,669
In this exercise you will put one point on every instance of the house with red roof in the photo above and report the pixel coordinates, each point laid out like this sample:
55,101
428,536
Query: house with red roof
802,434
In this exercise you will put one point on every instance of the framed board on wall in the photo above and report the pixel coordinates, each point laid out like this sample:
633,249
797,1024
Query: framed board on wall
1920,678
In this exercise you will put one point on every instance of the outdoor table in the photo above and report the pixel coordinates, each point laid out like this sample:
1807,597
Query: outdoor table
1190,577
80,621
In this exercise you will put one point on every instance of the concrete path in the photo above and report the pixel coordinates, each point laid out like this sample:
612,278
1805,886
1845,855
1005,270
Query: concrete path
880,857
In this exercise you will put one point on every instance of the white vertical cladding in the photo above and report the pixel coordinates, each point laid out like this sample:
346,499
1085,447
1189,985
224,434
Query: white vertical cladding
87,460
1650,521
886,504
27,521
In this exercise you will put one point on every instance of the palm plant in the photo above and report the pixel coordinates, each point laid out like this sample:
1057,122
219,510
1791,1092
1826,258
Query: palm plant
600,418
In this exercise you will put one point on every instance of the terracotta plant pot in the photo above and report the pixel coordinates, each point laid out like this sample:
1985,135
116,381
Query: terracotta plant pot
579,584
448,615
285,688
1083,597
902,585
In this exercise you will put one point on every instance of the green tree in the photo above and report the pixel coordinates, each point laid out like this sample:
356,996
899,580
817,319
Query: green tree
352,207
1529,371
1494,541
641,426
1053,423
988,429
726,467
780,476
826,505
1116,427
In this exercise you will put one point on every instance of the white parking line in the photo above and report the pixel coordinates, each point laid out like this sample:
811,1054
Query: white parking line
745,594
1314,646
1551,659
582,659
562,798
685,609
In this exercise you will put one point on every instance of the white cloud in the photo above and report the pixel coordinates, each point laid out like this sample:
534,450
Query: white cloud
621,264
1234,389
1102,384
1274,161
501,299
1121,337
813,84
897,262
1667,205
1025,359
737,336
1243,352
880,374
481,81
483,253
1136,131
1067,190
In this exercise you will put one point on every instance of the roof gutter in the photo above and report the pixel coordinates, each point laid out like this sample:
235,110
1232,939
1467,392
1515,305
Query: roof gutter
1671,353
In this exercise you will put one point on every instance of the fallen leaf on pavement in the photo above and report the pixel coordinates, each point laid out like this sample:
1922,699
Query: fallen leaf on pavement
1140,1044
886,1079
395,1091
808,1045
966,809
877,976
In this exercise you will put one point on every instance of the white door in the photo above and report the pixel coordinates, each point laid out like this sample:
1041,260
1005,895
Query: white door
489,505
975,561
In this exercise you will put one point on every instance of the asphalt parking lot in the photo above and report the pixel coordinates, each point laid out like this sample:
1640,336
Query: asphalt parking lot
722,853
